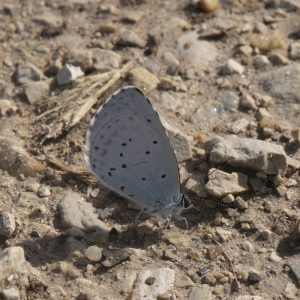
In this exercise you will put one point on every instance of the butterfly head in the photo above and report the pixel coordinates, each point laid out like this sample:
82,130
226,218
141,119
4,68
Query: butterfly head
185,201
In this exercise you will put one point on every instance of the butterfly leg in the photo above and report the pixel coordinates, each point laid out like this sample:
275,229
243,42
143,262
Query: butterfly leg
166,224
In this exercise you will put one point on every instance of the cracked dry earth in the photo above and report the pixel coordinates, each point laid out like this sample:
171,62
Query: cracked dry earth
224,75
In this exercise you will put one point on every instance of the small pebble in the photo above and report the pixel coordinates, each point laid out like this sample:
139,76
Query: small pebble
95,192
274,257
248,102
207,6
233,67
260,61
253,278
44,191
247,246
93,253
266,234
7,224
240,203
245,226
228,199
67,74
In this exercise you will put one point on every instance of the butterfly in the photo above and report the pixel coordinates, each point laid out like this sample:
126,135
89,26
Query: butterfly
128,149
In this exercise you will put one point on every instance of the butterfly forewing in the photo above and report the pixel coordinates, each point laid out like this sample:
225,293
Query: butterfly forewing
129,150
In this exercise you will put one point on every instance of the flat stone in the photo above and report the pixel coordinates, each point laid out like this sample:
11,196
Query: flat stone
12,262
282,83
267,40
28,72
129,38
195,52
248,153
150,284
37,91
105,60
7,224
76,212
221,183
15,160
143,79
202,292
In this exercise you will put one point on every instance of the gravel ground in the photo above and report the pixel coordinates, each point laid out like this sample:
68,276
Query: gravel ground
225,78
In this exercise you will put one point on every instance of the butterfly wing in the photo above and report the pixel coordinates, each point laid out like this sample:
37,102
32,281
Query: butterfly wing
128,149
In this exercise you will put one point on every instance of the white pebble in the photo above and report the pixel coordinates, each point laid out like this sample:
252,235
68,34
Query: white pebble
93,253
44,191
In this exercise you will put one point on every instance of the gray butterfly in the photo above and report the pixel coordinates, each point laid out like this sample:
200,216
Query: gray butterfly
128,149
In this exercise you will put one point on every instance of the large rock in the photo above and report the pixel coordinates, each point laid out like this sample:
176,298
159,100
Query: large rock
12,262
221,183
248,153
150,284
76,212
282,83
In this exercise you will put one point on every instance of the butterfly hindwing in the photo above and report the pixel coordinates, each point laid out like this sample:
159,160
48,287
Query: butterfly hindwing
129,150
